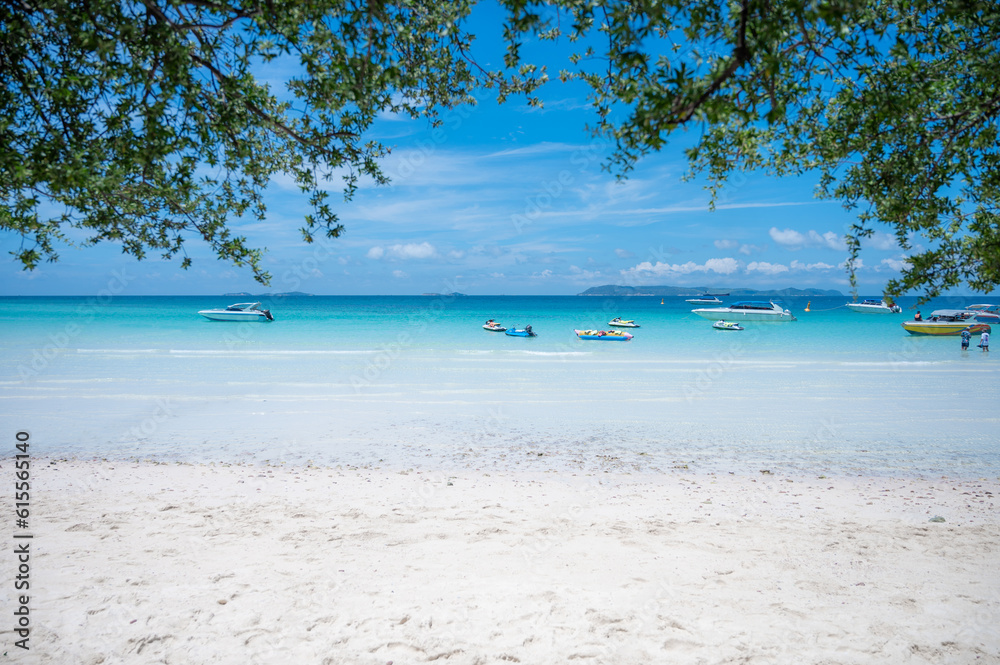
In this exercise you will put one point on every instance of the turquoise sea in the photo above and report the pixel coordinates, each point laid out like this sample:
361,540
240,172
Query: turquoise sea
415,380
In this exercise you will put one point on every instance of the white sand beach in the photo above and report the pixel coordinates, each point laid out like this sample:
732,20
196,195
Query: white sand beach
147,562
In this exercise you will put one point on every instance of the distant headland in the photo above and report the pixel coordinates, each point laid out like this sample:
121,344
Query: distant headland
244,294
619,290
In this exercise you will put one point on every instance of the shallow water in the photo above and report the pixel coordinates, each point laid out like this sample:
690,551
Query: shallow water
416,380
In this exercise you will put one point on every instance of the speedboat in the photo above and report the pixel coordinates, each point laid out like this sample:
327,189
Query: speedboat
706,299
747,310
525,332
727,325
946,322
874,307
604,335
493,326
241,311
986,313
623,324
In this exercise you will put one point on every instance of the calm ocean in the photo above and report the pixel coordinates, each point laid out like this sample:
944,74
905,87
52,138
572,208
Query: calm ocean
416,380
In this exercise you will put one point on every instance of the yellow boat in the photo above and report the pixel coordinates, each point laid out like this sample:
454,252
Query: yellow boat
946,322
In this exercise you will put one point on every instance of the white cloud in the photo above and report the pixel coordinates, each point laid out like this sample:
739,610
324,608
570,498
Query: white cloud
726,244
580,274
726,266
787,238
792,239
798,265
750,249
830,240
859,264
882,240
456,254
896,265
400,274
624,254
766,268
423,250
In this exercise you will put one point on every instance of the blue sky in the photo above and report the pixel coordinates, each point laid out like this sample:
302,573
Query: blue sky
507,199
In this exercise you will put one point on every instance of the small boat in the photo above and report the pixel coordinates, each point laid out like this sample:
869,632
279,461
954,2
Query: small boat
986,313
874,307
946,322
747,310
705,299
727,325
493,326
525,332
623,324
605,335
242,311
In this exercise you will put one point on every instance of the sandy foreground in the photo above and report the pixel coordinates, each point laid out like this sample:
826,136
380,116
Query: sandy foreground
146,562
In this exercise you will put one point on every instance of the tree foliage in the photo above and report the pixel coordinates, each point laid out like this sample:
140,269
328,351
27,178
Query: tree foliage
894,103
143,122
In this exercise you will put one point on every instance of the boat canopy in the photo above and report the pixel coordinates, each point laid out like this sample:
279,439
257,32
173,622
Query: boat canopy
752,304
958,313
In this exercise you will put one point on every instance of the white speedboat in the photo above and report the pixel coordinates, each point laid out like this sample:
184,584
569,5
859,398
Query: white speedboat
707,299
874,307
986,313
242,311
619,323
747,310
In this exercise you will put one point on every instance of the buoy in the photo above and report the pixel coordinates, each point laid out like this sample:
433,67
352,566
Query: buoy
661,301
807,305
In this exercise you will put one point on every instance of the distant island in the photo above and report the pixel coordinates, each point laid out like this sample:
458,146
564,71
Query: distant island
453,294
264,295
619,290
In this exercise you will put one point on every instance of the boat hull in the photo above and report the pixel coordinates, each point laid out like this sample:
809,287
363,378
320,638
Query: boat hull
623,325
717,313
223,315
603,335
521,333
873,309
496,329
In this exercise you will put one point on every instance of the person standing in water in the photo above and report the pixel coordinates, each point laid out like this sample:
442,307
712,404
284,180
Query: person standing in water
984,341
966,336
